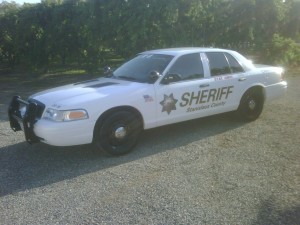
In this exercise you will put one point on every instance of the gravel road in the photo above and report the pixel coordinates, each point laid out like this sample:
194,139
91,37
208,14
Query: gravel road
214,170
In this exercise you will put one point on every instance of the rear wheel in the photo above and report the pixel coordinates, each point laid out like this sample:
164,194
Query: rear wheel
118,133
251,105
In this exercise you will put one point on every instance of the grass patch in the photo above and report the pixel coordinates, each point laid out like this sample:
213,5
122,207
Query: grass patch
64,72
293,71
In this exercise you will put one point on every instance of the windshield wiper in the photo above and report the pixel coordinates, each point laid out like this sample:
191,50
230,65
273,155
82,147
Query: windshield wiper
126,77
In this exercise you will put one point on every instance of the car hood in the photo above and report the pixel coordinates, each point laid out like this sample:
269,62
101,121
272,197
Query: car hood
97,87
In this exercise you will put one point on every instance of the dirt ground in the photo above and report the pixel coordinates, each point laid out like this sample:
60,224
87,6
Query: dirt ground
214,170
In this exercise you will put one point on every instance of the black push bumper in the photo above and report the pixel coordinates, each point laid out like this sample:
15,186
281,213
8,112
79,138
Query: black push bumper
27,121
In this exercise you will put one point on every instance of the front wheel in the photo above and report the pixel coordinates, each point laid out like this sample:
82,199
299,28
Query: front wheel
251,105
118,133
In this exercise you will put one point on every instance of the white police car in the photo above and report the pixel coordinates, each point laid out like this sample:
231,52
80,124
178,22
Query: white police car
155,88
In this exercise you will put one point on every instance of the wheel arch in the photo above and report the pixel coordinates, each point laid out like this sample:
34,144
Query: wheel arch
258,88
108,112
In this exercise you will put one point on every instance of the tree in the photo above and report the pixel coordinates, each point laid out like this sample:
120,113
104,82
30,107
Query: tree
86,33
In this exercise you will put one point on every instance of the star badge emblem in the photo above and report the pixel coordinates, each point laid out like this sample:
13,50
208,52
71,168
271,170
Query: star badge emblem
169,103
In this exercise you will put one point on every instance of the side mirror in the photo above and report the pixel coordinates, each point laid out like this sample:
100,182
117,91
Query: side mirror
171,77
153,76
107,70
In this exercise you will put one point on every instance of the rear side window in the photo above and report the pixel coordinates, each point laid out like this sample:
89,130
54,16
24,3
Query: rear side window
234,64
218,63
188,67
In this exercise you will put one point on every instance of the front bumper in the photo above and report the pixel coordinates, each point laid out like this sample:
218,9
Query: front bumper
27,121
65,133
37,129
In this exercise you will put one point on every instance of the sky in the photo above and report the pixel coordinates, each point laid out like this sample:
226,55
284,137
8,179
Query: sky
22,1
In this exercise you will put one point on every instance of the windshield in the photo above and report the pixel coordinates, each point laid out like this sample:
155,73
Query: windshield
139,68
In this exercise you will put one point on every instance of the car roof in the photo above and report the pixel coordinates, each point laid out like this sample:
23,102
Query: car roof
185,50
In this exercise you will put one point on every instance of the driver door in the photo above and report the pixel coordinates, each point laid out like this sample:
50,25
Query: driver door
179,94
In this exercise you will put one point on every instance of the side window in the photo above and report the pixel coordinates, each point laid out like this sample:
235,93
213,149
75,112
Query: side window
188,67
234,64
218,63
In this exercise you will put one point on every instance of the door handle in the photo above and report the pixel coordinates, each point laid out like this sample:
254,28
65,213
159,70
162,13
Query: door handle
204,85
242,78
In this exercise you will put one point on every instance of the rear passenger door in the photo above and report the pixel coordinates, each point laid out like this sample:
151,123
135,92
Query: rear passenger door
226,83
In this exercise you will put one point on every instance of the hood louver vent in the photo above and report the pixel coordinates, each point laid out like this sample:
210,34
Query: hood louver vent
101,85
86,81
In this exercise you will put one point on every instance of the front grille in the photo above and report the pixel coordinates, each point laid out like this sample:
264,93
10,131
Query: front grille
40,107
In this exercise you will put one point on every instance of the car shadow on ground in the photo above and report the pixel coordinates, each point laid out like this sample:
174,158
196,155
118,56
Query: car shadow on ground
24,166
269,213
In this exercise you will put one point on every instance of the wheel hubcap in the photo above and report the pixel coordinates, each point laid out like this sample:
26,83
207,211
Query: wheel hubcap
252,104
120,133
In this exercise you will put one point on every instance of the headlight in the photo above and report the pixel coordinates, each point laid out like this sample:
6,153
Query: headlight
65,115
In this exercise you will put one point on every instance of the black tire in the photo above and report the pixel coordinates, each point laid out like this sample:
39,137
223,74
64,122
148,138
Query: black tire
118,133
251,105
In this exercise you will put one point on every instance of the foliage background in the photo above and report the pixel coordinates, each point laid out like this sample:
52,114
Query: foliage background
89,33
